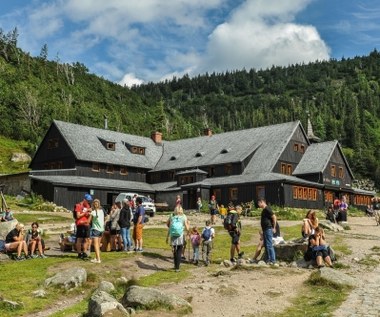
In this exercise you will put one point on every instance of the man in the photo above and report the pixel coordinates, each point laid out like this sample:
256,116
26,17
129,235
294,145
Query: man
233,225
138,222
125,218
268,226
82,221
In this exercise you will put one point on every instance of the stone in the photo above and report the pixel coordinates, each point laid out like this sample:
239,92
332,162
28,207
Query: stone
327,224
41,293
20,157
68,279
288,252
6,227
10,304
102,303
337,277
146,297
106,286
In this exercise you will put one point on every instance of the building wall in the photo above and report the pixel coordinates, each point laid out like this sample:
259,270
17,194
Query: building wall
338,162
14,184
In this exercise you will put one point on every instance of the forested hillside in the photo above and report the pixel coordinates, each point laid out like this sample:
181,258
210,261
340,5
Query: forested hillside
341,97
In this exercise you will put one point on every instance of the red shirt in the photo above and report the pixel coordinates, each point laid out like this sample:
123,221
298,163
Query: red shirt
83,213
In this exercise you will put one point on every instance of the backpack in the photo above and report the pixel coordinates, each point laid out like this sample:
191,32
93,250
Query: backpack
230,222
176,226
206,234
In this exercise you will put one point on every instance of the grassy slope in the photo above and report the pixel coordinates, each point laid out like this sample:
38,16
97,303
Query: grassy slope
7,147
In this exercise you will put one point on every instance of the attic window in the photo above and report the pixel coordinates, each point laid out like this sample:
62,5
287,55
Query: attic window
173,158
137,150
111,146
53,143
199,154
224,151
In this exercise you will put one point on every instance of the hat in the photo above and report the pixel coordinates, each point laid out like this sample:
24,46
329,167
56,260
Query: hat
88,197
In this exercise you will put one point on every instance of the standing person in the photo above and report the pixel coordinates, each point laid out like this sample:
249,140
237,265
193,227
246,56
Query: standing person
268,227
125,219
82,221
208,234
115,228
233,225
177,223
195,239
213,205
199,204
138,223
97,228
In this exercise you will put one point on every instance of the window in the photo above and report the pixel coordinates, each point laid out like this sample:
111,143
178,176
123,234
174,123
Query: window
295,192
211,171
217,193
137,150
290,169
295,147
283,168
95,167
233,193
310,196
260,192
341,172
110,169
304,193
59,165
300,193
302,149
333,171
228,169
329,197
123,171
53,143
111,146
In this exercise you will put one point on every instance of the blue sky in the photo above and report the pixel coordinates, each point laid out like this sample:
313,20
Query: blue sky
135,41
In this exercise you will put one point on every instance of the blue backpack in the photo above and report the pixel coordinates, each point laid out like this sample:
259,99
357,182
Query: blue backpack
206,234
176,226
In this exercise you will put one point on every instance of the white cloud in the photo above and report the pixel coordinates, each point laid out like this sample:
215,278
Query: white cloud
130,79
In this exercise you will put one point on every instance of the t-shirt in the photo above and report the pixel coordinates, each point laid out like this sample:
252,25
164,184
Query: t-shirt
82,207
97,220
140,211
11,235
266,218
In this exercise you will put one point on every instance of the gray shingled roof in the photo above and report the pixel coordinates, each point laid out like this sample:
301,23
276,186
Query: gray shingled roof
86,145
94,182
267,142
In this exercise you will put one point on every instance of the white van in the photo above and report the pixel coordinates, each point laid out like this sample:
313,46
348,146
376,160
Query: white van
148,205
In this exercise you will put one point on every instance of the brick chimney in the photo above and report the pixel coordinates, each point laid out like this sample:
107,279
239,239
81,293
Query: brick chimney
156,137
207,132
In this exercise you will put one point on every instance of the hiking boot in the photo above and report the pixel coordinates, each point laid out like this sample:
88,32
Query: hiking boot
19,258
80,255
34,256
140,250
84,255
42,256
240,255
233,260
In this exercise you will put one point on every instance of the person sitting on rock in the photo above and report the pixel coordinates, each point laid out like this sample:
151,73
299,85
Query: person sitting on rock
7,215
68,242
309,224
35,241
15,242
319,247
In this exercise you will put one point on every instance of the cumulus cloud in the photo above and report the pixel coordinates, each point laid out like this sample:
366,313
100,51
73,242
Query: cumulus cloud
130,79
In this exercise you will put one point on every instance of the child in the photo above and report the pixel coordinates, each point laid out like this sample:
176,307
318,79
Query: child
208,234
195,239
222,211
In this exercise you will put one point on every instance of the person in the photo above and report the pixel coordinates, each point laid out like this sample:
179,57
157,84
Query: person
82,222
7,215
330,214
195,239
15,241
369,211
233,225
115,228
199,204
97,228
310,222
319,247
138,223
343,207
133,203
213,206
222,211
277,239
125,219
268,226
177,224
208,234
35,241
70,240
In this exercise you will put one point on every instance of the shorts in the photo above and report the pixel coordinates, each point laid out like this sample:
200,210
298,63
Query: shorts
137,232
95,233
114,232
213,212
83,232
2,246
235,237
72,239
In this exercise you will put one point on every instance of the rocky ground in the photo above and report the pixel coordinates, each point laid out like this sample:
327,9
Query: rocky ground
217,291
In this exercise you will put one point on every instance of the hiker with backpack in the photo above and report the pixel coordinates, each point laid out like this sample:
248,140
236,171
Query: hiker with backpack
195,239
208,234
214,209
82,215
233,225
268,227
177,224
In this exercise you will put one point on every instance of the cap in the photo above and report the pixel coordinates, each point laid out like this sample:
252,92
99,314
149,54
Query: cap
88,197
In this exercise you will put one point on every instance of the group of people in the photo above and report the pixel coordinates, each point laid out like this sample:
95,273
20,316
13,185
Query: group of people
29,242
337,211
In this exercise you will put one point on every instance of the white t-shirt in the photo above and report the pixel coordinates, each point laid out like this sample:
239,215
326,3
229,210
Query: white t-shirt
97,219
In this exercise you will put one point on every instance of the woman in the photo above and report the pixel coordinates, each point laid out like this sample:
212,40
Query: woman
115,228
35,241
97,228
319,247
309,224
15,241
213,205
177,223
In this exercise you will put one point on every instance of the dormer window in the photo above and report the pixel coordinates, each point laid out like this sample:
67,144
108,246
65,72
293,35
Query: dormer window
111,146
224,151
53,143
173,158
199,154
136,149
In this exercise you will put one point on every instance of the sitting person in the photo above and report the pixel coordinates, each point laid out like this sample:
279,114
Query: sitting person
309,224
331,214
35,241
7,215
343,208
68,242
277,239
369,211
15,242
319,247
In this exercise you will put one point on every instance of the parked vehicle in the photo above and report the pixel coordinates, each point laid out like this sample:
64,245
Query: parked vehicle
148,204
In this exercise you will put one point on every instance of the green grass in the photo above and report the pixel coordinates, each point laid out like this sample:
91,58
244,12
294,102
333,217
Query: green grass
27,219
7,147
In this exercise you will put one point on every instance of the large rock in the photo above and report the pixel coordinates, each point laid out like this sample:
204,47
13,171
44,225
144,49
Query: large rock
337,277
327,224
20,157
101,303
148,298
289,251
70,278
5,227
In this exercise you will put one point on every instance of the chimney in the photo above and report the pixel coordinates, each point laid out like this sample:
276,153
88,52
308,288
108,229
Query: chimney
105,122
156,137
207,132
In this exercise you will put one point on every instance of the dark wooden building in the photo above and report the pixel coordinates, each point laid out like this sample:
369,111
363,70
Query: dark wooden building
277,162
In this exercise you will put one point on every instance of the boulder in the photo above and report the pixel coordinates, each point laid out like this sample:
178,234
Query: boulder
289,251
337,277
5,227
106,286
327,224
20,157
70,278
6,303
148,298
102,303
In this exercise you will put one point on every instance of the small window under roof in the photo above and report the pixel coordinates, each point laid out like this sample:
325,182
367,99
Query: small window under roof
173,158
199,154
224,151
